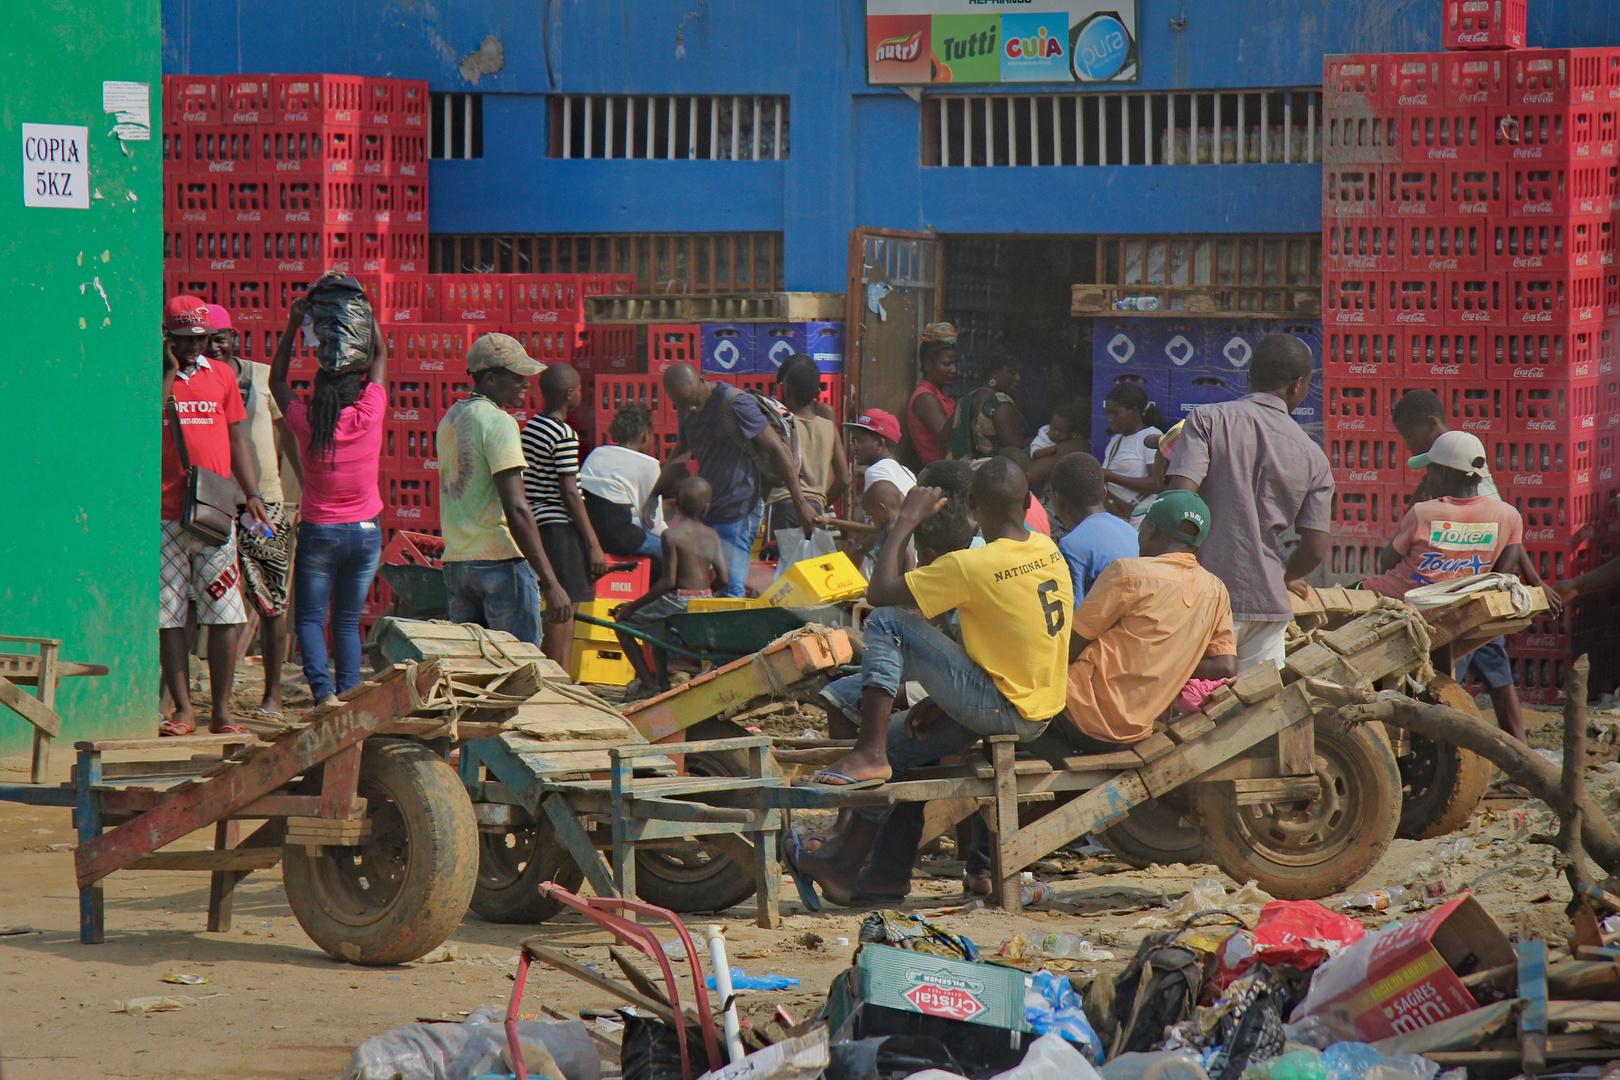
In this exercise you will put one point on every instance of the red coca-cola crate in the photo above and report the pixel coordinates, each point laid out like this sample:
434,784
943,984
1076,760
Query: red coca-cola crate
1553,517
1360,136
222,249
224,150
318,200
1445,134
404,249
454,386
1607,243
430,349
1413,298
1474,299
372,153
1479,409
185,283
412,103
1357,404
395,298
1551,189
413,399
309,151
245,100
1550,133
606,349
1554,297
1364,510
1472,79
409,499
609,284
1353,81
1548,354
1352,191
542,298
192,200
177,149
250,298
1358,244
259,342
1611,293
308,249
1542,461
1559,407
245,201
613,391
1558,76
1412,80
318,99
1351,298
1558,244
1439,245
672,343
1476,189
1431,355
481,298
1367,457
1352,559
381,107
176,249
1538,680
407,153
413,448
1483,24
1414,189
400,204
190,99
551,343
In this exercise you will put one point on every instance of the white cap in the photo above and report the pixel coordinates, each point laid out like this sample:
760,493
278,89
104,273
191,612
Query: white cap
1460,450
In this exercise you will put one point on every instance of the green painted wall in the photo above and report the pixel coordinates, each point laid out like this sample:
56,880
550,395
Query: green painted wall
79,384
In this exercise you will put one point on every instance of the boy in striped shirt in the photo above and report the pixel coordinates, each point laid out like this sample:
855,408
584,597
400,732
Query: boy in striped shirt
550,482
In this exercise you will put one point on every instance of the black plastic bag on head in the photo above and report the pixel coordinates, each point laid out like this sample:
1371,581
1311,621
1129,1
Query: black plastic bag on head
343,324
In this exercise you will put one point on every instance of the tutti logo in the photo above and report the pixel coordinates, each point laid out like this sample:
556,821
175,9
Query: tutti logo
900,49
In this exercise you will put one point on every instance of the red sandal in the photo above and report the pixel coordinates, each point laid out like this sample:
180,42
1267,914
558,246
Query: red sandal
176,728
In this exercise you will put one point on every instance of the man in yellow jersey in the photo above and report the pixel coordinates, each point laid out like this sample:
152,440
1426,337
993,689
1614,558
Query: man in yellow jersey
1013,598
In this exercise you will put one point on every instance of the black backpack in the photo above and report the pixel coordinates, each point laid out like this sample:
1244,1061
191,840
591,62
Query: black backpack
782,422
1158,989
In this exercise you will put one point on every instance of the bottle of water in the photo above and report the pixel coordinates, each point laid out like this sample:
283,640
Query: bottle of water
1379,899
1137,303
262,529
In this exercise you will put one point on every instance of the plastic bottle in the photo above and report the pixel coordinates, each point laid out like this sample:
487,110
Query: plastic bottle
1379,899
1137,303
262,529
1349,1060
1069,947
1153,1065
1035,892
1299,1065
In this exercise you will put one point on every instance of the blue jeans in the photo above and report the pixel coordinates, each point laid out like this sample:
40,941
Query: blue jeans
652,547
737,541
1490,663
334,568
901,641
497,594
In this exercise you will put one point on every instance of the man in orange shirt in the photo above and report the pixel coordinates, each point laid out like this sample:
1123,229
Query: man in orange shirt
1147,626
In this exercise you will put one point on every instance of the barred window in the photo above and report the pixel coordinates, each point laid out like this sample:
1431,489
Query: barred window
662,262
456,124
670,128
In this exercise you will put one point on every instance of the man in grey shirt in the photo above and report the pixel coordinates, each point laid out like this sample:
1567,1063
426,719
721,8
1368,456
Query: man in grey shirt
1261,475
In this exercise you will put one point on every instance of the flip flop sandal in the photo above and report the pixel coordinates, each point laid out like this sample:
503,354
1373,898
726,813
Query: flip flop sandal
229,729
792,848
173,729
845,783
269,714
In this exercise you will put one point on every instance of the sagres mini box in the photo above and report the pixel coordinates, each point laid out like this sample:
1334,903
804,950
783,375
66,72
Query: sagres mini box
936,986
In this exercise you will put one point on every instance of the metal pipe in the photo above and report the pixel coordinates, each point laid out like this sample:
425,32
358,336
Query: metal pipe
722,987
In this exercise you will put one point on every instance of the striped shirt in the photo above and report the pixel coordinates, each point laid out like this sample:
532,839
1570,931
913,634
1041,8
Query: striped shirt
552,450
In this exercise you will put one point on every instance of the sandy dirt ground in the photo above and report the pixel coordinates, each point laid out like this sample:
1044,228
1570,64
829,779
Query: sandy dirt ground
275,1006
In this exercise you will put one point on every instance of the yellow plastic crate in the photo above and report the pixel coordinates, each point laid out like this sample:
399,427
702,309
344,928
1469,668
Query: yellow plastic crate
591,663
596,609
825,579
724,603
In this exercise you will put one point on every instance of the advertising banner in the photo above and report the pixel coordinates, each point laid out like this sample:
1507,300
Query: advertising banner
985,42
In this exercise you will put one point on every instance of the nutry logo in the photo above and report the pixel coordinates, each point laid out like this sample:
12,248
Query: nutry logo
1472,208
1122,348
1529,373
901,50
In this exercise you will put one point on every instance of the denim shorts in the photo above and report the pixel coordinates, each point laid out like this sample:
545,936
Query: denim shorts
1489,662
497,594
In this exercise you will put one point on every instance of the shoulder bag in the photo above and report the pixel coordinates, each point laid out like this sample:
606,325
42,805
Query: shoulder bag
209,511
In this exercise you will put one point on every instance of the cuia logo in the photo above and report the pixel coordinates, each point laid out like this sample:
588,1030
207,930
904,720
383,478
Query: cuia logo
900,49
1039,47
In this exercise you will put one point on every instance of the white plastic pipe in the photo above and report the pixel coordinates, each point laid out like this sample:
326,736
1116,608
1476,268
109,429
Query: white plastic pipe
722,986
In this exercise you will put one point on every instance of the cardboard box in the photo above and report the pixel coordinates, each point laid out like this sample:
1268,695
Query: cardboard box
1407,978
825,579
937,986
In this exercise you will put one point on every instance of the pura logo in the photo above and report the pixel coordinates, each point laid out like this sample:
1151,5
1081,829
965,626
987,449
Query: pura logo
900,49
1040,47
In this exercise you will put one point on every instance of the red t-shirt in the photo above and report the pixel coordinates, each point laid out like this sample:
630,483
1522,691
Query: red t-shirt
922,440
1444,539
208,402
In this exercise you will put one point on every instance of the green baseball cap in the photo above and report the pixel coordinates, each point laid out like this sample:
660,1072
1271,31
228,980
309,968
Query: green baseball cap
1171,509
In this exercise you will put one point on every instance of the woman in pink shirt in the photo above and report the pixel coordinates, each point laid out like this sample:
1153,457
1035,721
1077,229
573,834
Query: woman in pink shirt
340,435
928,410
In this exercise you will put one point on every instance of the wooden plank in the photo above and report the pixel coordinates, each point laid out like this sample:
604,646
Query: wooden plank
30,708
195,805
123,771
1189,727
47,699
340,776
190,742
1583,1012
23,669
1088,813
578,841
1222,704
591,977
1003,822
1296,750
674,810
229,859
1533,989
1282,789
1116,759
1258,683
222,883
277,806
1155,746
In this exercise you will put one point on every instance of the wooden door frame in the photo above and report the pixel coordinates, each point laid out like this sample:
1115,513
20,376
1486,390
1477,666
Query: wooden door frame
855,302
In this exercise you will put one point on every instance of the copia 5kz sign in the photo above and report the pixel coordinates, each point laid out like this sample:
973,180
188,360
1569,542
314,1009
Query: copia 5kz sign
909,42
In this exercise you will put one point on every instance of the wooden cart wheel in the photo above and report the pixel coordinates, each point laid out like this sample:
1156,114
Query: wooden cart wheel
511,867
1441,783
399,893
696,876
1152,834
1305,850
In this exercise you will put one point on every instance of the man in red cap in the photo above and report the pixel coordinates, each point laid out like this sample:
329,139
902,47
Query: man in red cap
875,438
204,397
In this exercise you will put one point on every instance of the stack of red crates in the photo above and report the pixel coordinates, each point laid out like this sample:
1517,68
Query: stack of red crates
1469,215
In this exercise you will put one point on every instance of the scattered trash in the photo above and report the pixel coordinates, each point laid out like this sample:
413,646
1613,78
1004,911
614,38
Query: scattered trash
801,1058
444,954
140,1006
757,952
1378,899
184,980
913,932
1052,1007
841,942
13,931
1208,894
470,1048
741,981
1050,947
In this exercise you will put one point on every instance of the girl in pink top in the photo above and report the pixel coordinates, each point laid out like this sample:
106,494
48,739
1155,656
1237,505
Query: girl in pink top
928,411
340,435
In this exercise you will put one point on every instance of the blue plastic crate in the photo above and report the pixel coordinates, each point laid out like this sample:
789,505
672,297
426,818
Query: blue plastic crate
728,348
774,343
1190,389
824,343
1122,350
1178,346
1229,348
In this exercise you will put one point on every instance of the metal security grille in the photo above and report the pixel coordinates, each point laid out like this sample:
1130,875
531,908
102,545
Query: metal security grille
1196,260
1199,127
674,128
456,126
662,262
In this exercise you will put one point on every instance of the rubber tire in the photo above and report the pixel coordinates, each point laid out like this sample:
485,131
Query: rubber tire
1448,801
1368,782
725,884
1139,839
505,897
440,850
